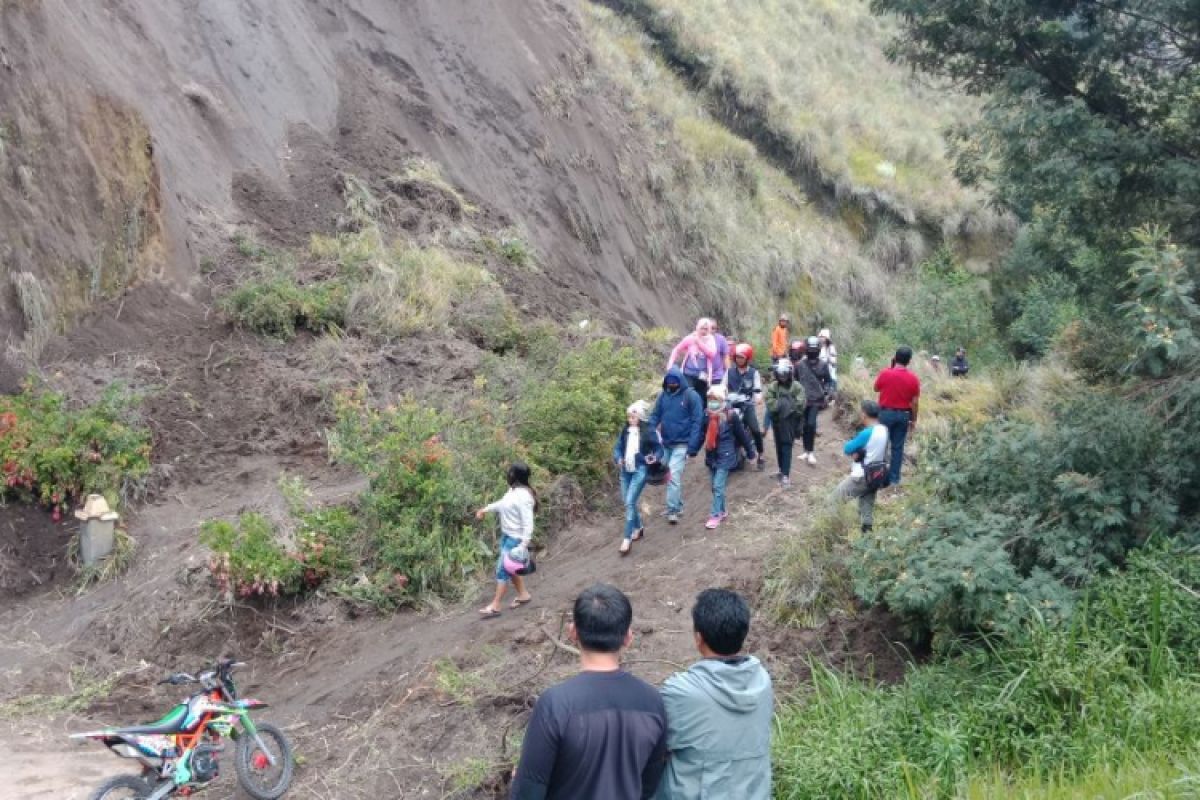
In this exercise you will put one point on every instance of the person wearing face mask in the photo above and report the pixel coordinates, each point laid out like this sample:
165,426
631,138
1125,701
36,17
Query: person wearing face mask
785,412
698,351
813,374
678,417
724,433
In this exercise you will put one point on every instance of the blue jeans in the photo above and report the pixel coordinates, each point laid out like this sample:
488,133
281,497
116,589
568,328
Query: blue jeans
720,477
896,423
676,460
632,484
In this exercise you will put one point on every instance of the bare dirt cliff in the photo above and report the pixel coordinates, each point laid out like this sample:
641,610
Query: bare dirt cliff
133,133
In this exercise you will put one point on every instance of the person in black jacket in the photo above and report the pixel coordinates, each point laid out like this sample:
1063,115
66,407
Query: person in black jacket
813,374
745,391
959,366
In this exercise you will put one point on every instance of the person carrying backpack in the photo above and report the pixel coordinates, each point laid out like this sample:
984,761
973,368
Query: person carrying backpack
637,448
813,374
785,413
678,418
745,390
869,469
723,435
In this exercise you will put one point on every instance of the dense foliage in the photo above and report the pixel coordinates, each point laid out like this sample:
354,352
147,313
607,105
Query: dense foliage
1091,123
54,453
1021,514
1121,678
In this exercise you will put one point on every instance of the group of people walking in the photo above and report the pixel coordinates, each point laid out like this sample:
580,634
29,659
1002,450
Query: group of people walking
706,732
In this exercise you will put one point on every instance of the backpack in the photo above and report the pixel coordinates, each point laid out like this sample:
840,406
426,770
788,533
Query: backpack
785,405
657,473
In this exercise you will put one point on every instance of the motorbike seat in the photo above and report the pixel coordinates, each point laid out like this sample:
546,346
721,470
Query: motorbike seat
171,723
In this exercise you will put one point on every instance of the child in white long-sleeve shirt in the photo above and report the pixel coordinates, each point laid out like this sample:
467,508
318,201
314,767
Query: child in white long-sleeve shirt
516,510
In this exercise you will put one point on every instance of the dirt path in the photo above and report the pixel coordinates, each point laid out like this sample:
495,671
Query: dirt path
430,704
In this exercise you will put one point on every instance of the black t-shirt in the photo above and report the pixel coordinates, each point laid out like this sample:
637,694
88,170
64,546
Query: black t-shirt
597,736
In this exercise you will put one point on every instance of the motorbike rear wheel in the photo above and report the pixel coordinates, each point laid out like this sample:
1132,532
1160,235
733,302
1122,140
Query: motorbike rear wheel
253,769
123,787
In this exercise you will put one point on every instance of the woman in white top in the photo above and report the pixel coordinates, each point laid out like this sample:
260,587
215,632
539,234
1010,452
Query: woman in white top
829,356
516,510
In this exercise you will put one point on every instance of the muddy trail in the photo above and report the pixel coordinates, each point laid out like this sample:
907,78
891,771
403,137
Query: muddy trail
420,704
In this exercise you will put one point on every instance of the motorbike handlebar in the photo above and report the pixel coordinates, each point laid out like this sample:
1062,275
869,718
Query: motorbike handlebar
224,666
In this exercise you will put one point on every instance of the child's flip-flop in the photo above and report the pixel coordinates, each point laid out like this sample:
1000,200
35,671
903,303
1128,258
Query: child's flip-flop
518,602
488,613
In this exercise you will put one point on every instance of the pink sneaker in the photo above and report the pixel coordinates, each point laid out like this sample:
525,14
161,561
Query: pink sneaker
713,522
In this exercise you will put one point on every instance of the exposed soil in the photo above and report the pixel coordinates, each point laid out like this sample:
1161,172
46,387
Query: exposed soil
33,551
400,706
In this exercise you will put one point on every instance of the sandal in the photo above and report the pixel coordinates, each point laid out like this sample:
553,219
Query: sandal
488,613
625,546
638,534
518,602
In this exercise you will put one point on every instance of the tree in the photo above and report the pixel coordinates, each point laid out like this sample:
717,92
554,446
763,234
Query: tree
1092,124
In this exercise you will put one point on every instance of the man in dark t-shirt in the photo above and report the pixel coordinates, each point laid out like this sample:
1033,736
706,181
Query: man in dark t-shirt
601,735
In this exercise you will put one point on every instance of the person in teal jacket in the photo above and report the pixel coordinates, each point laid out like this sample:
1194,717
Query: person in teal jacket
719,711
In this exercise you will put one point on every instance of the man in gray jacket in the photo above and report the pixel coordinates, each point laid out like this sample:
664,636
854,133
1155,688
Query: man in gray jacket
719,711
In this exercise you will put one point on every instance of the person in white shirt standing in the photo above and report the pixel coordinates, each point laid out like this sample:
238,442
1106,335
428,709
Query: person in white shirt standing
516,510
868,471
829,356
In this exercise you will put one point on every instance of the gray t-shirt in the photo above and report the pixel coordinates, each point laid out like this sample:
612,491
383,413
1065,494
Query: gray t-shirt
596,736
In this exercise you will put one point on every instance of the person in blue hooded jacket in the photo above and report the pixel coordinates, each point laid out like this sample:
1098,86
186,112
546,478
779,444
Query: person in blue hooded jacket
678,417
719,711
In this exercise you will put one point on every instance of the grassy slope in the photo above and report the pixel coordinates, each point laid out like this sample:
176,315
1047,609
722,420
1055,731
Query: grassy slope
749,234
816,73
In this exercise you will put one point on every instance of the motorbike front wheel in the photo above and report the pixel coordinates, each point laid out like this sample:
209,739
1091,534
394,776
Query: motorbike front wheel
123,787
258,777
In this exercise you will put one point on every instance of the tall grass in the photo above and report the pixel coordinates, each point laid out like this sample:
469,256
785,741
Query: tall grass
1119,682
751,240
816,74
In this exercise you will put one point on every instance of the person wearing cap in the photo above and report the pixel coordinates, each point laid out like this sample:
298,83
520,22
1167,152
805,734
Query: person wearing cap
678,418
637,447
724,434
780,337
785,413
899,394
829,356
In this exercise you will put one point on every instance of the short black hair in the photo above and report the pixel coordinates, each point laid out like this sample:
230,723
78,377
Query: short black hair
903,355
722,619
602,617
870,408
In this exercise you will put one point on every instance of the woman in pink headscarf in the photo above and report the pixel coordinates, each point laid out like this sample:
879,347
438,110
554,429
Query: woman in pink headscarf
699,353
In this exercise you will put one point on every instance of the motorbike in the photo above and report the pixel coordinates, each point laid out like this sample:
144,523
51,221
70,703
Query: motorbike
180,753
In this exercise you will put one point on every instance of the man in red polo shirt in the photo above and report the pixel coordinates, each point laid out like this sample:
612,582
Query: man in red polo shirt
899,390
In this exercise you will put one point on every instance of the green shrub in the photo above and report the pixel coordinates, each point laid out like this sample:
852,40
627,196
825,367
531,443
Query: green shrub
569,418
1021,514
945,308
275,304
1045,308
249,559
54,454
1122,678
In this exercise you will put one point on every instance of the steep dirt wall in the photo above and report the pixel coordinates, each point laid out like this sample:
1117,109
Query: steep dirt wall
134,133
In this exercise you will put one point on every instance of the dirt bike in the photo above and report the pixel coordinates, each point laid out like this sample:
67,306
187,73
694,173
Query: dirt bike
179,753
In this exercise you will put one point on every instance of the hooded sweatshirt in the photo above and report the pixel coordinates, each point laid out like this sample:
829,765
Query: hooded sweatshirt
679,415
718,731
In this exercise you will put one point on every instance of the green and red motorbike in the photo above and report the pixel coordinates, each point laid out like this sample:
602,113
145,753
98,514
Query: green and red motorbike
181,752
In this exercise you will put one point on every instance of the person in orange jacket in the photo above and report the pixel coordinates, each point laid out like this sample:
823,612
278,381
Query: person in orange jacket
780,337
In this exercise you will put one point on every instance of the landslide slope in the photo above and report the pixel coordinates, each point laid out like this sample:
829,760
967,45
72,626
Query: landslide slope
133,132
